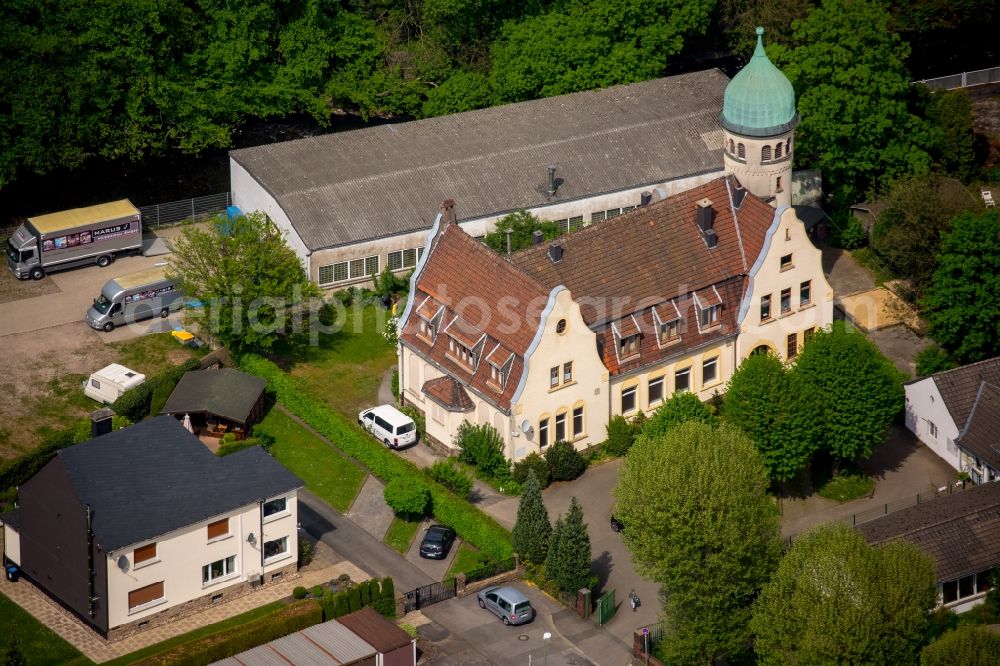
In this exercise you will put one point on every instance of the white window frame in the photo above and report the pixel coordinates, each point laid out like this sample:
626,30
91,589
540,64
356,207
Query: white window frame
683,372
714,364
656,381
230,569
583,421
279,555
274,515
634,391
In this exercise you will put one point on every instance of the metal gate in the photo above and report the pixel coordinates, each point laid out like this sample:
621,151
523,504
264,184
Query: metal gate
606,607
429,594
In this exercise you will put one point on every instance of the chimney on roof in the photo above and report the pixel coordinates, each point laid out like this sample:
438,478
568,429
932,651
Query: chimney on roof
537,237
711,238
100,422
645,198
447,209
552,179
706,215
509,231
555,253
738,195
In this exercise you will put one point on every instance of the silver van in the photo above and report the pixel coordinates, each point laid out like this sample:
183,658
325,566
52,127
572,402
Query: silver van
132,297
508,604
389,425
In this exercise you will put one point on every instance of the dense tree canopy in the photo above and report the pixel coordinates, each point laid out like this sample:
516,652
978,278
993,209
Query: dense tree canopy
848,69
778,411
523,225
836,600
251,282
680,408
858,390
963,301
967,644
699,522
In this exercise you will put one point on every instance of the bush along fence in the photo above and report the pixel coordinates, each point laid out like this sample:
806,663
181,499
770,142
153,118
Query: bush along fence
471,524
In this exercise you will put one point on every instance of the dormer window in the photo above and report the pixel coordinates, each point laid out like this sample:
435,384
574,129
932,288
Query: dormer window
462,353
498,376
710,316
670,331
427,329
628,346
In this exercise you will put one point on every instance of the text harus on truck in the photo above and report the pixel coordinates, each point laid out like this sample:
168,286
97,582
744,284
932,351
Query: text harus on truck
132,297
91,235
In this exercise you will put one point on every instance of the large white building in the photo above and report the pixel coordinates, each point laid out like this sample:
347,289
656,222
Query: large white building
551,342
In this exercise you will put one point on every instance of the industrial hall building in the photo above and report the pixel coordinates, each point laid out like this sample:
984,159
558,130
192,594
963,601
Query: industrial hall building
548,343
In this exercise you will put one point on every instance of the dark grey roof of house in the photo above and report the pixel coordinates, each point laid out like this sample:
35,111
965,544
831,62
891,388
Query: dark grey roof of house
960,386
961,531
981,434
381,181
224,392
12,518
155,477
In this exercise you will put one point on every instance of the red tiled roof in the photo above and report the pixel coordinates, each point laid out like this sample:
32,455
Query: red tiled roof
448,393
465,333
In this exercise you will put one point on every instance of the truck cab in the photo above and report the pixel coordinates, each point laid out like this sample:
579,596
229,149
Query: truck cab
22,254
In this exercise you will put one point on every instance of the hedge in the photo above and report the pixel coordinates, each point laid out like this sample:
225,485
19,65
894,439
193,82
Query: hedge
149,397
471,524
230,642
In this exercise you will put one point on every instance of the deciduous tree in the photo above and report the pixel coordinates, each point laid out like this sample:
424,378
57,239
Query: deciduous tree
858,390
680,408
705,529
967,644
777,411
836,600
963,301
532,529
251,282
522,225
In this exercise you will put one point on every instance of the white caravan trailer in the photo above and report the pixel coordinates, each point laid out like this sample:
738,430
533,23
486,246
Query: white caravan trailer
108,383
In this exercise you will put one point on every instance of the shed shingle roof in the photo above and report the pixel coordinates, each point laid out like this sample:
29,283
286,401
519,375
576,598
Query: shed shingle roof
960,386
981,436
224,392
371,627
112,474
961,532
334,187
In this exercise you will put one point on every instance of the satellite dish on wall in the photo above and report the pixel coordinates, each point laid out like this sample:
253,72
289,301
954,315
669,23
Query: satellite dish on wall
527,428
123,563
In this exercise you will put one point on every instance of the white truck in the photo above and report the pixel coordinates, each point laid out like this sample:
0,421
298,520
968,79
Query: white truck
91,235
129,298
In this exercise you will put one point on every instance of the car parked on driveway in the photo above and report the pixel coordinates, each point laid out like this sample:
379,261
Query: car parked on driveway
389,425
437,542
508,604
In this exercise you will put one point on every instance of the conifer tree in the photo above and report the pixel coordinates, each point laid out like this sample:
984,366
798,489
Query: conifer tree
569,558
532,530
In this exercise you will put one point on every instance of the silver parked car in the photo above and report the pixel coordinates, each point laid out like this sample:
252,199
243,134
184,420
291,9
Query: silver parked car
508,604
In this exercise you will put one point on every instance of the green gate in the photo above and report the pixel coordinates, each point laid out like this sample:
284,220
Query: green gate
606,607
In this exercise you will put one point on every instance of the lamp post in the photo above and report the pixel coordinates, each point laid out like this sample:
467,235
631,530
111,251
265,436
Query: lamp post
545,648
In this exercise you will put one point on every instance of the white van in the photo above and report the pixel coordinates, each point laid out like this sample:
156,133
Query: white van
389,425
108,383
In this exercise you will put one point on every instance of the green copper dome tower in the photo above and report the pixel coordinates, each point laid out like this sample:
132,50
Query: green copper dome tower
759,100
758,117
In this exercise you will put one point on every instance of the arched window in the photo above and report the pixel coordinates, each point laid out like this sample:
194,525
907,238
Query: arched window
777,151
765,154
732,147
741,151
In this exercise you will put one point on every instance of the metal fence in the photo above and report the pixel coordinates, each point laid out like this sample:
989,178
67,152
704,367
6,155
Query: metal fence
429,594
490,570
889,507
964,80
174,212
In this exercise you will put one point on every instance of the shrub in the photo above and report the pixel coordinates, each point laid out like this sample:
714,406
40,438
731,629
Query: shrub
299,592
410,630
231,446
407,497
161,392
621,435
565,462
232,641
386,601
531,463
481,447
341,604
471,524
354,598
305,552
933,359
134,403
395,383
450,475
364,589
847,232
150,397
316,591
264,438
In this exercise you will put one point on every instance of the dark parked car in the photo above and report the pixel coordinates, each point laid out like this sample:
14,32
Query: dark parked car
437,542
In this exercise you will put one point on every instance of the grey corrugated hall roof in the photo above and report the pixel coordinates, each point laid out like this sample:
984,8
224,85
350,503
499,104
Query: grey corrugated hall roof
346,187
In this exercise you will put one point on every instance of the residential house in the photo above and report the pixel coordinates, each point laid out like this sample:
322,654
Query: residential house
218,401
957,414
353,203
141,525
961,532
551,342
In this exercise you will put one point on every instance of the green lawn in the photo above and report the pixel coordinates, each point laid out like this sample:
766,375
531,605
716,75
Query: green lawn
847,486
38,643
400,534
466,560
207,630
346,367
323,469
152,353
